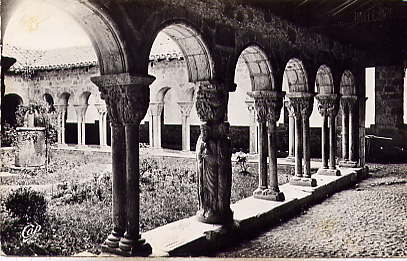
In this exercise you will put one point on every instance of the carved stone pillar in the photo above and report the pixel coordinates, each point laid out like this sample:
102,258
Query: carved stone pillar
127,99
291,131
213,155
102,110
80,116
268,105
348,129
185,108
155,110
302,104
328,107
61,114
253,128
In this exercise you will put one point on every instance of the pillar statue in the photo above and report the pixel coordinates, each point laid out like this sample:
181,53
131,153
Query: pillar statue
214,153
127,100
328,108
302,104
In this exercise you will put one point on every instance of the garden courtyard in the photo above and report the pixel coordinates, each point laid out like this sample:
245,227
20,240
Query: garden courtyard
72,203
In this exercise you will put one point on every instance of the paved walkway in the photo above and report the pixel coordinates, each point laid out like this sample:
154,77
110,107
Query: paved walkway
367,221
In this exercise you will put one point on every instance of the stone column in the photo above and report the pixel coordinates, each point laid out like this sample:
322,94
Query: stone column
348,128
253,128
80,116
185,108
291,131
268,105
127,99
102,110
155,110
302,104
213,154
328,108
61,112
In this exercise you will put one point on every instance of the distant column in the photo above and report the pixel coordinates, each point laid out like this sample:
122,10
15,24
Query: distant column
102,110
348,130
80,116
185,108
155,110
253,128
61,113
291,131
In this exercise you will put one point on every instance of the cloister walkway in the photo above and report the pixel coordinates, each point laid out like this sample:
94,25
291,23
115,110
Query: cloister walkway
366,221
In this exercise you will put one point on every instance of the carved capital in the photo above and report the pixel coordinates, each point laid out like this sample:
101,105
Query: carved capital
185,107
250,105
268,104
290,109
81,111
101,108
61,108
127,96
327,104
348,102
211,101
156,108
301,103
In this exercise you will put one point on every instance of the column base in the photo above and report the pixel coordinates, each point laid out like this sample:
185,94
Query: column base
348,164
290,158
210,217
269,194
329,172
112,241
127,247
304,182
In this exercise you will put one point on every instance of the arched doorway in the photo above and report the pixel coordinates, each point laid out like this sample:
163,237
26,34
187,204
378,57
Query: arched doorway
9,108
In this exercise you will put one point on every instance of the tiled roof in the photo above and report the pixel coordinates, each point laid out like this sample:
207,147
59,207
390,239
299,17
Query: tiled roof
50,59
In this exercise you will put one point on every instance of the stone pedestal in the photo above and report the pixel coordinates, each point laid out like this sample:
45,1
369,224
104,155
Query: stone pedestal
268,105
213,155
127,99
302,103
31,148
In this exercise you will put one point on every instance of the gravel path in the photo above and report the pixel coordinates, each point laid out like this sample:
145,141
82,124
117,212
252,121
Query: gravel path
369,220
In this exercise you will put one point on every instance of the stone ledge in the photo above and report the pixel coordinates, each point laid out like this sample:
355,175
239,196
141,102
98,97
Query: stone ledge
189,237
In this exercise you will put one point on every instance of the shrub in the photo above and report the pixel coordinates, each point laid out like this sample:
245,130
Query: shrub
27,206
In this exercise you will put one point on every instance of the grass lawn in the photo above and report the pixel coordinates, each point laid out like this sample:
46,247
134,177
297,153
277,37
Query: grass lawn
78,193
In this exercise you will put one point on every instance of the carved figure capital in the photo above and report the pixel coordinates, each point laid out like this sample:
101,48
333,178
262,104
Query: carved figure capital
301,103
126,96
268,104
211,101
327,104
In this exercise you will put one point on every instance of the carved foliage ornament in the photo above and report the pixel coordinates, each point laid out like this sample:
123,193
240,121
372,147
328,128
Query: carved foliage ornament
211,102
302,104
327,104
268,104
348,102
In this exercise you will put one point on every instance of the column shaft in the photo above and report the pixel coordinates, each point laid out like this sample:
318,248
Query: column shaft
272,149
332,142
306,147
298,146
351,140
324,142
345,136
291,136
262,155
185,133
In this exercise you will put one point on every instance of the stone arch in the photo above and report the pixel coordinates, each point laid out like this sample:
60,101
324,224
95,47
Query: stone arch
159,97
347,85
259,67
9,107
63,98
83,98
49,101
196,53
105,35
324,83
296,76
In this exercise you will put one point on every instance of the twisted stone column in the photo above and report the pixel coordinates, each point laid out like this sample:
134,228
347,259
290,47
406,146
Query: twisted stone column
155,111
102,110
185,108
348,128
253,149
291,131
213,154
268,105
61,114
328,108
302,104
80,116
127,99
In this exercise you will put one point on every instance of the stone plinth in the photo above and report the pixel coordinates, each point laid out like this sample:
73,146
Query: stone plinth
31,150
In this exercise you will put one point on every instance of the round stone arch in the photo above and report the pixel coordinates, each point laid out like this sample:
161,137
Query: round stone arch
195,49
259,66
324,82
107,40
9,107
296,76
49,101
83,98
347,85
160,94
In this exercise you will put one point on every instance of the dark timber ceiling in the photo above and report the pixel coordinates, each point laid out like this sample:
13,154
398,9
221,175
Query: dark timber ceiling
378,26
